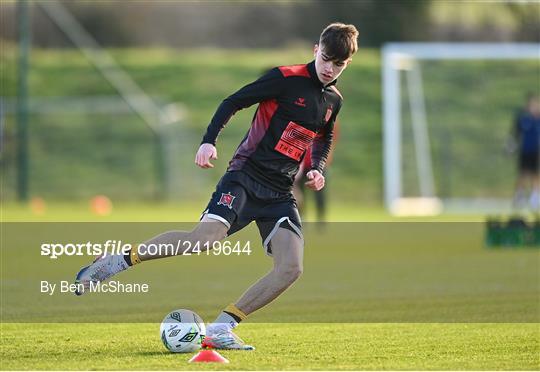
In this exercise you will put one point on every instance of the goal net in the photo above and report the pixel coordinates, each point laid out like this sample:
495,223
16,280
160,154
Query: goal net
448,111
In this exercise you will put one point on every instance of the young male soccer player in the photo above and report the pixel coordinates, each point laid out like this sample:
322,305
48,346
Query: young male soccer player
297,108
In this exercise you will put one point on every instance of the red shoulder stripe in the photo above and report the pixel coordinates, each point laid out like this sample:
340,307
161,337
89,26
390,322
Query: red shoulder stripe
294,70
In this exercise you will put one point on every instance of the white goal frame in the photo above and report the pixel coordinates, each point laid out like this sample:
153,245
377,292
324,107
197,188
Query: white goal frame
398,57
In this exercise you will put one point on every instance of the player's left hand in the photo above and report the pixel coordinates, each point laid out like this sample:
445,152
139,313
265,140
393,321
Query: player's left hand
316,180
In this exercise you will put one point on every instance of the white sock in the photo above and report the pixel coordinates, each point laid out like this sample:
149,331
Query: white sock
118,263
223,323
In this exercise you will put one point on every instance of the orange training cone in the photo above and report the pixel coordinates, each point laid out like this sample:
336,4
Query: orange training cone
101,205
208,356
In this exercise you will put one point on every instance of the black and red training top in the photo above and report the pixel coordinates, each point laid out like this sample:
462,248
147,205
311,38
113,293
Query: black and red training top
295,111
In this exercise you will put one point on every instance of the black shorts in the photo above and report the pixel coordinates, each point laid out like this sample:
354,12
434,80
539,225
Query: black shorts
529,162
239,200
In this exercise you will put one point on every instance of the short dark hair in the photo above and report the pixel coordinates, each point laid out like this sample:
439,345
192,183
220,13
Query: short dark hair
339,41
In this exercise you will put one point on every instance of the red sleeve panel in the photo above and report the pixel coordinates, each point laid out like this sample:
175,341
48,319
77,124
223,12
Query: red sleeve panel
256,132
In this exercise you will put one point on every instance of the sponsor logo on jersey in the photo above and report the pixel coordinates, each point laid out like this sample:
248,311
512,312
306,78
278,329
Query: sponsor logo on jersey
300,101
226,200
294,141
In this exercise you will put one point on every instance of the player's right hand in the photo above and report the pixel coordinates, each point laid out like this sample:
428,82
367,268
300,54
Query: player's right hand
206,152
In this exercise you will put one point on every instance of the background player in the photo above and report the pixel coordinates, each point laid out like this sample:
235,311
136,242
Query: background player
320,197
298,106
526,137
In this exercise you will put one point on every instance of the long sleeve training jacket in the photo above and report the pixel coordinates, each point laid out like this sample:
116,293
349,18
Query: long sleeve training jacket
296,111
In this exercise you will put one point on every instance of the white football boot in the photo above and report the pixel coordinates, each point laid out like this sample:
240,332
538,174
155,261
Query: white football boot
100,270
225,340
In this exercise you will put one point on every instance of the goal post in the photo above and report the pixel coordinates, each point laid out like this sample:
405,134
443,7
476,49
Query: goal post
410,97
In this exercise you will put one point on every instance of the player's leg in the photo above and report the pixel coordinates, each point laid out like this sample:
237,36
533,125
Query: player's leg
287,249
105,267
288,253
520,192
218,218
534,199
280,228
207,232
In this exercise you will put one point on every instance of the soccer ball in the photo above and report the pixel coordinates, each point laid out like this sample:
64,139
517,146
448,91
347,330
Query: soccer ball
182,331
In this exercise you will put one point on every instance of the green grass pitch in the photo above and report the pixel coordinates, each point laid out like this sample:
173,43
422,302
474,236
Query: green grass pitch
279,347
374,296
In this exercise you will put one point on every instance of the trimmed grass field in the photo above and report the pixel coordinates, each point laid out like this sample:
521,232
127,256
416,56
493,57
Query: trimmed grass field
389,294
279,347
190,211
